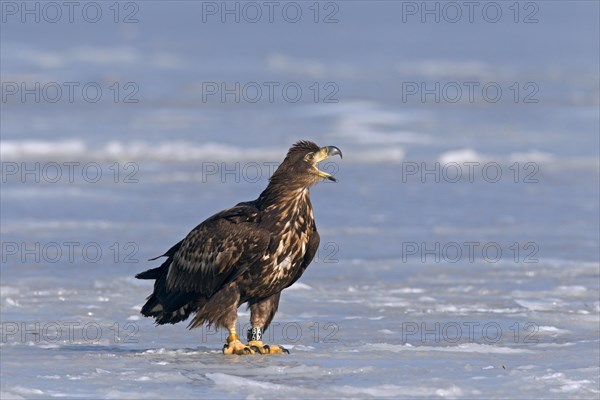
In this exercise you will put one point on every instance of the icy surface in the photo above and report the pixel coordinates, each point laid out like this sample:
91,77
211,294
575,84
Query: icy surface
370,318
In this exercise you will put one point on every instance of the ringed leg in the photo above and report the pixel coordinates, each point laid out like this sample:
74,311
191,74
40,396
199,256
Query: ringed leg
261,315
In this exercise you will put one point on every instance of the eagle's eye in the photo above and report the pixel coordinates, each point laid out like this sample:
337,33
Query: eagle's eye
309,157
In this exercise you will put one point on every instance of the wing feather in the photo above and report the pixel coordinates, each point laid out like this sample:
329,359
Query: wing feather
217,251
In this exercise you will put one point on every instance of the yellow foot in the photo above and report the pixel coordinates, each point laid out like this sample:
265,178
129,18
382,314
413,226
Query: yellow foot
260,348
234,346
237,347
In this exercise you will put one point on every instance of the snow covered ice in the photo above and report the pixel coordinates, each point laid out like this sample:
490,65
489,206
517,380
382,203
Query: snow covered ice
426,284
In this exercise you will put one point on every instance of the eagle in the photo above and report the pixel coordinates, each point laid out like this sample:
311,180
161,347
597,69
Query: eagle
246,254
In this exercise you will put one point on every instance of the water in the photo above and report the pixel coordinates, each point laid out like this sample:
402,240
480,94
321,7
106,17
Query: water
426,284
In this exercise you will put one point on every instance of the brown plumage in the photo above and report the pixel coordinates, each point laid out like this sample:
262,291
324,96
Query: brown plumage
245,254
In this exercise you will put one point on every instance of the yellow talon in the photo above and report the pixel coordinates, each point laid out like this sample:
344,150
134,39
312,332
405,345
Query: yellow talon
266,349
275,349
235,346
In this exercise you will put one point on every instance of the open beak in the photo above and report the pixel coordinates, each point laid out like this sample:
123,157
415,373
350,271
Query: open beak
324,153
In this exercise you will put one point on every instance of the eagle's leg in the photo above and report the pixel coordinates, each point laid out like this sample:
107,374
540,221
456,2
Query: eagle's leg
255,343
234,345
261,315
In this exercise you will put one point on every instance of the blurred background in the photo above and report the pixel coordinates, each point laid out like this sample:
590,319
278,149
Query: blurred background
125,124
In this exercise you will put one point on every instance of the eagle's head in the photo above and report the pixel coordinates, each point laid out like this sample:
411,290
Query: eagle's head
300,165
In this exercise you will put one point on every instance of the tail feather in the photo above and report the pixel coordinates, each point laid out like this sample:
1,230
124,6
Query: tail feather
154,308
169,252
153,273
163,305
156,273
